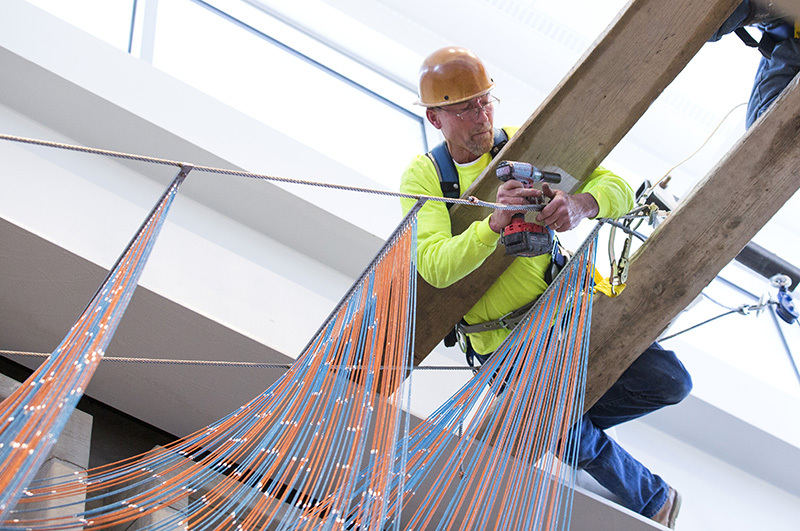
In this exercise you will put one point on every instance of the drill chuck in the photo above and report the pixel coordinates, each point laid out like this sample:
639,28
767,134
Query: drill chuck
525,172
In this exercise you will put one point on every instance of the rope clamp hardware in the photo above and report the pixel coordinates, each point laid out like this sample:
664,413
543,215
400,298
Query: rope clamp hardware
653,215
786,308
624,261
614,279
502,321
619,269
185,169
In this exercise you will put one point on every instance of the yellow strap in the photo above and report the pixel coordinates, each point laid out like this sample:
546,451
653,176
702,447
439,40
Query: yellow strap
603,285
797,29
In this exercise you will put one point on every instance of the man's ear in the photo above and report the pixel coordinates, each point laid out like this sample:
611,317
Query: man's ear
433,118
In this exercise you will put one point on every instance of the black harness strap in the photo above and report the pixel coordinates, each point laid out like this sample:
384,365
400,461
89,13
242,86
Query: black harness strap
770,37
446,168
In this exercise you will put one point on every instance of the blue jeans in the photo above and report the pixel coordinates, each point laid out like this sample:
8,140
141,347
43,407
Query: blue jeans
772,77
773,74
654,380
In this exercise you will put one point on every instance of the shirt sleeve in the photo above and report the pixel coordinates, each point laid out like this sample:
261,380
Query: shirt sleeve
613,194
443,258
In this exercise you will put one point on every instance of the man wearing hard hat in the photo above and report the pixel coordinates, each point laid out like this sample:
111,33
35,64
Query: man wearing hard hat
455,89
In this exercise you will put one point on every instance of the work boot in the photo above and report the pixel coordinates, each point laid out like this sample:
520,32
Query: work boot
668,513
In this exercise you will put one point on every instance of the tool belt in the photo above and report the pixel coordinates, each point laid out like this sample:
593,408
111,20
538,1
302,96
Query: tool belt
508,321
459,333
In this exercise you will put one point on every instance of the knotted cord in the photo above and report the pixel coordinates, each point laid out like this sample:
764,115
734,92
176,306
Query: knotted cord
303,439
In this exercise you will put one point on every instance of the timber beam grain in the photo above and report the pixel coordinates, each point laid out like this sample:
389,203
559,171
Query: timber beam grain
707,230
576,127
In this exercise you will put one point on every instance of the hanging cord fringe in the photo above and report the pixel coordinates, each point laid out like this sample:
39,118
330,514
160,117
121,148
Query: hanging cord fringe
325,447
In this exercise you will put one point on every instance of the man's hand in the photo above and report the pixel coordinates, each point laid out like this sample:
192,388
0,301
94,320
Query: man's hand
564,212
511,192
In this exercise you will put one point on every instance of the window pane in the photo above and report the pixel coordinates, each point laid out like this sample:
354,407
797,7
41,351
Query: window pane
263,80
109,20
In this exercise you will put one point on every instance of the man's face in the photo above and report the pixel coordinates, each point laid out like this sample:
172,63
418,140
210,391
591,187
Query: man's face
467,127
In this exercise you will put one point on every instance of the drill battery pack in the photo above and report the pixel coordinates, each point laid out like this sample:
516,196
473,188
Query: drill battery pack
522,238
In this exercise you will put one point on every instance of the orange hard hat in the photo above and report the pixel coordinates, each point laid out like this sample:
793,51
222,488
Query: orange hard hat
452,75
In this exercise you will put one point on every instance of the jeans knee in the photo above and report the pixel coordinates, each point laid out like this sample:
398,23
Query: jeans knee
670,381
678,387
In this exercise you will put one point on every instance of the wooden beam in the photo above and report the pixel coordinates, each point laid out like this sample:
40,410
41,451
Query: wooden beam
589,112
699,238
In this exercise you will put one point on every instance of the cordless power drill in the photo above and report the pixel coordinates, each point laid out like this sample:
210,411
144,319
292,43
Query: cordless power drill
521,238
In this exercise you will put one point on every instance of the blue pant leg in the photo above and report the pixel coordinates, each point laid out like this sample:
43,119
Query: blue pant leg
734,21
772,77
614,468
773,74
655,379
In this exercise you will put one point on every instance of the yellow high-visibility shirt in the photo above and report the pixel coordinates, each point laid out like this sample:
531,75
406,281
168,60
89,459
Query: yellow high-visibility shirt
444,258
